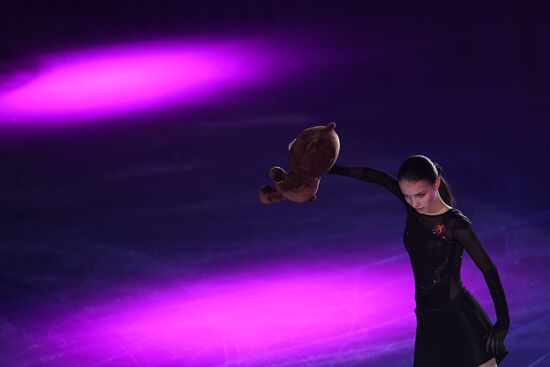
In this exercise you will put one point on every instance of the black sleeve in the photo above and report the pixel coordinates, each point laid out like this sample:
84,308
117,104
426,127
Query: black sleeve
466,236
370,175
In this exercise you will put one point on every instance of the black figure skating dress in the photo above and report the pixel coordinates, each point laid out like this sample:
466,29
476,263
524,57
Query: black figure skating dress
451,325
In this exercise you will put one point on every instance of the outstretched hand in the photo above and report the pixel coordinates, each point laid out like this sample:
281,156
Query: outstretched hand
333,169
495,339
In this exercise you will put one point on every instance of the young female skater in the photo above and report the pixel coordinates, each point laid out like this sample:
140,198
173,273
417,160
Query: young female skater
452,328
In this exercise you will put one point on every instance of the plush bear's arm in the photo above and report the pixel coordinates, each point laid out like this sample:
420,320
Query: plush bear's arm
269,195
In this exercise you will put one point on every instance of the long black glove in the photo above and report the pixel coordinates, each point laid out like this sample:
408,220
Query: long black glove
372,175
497,333
468,239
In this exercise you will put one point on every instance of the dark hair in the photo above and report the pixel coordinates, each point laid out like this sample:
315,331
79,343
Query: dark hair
419,167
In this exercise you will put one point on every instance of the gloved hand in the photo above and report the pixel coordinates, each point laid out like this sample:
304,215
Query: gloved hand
495,338
334,169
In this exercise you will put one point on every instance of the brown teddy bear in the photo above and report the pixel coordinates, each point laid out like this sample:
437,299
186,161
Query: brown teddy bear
311,155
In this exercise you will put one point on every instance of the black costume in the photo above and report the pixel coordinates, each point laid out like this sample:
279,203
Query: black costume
451,325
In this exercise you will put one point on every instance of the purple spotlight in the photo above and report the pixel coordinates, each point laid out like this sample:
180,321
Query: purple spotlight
113,80
251,319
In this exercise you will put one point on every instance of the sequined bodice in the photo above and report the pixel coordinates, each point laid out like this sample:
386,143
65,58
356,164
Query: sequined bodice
435,256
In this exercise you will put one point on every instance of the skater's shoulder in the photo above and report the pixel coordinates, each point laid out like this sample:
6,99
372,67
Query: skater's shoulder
460,221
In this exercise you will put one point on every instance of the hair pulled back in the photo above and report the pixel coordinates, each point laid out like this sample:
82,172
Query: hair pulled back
420,167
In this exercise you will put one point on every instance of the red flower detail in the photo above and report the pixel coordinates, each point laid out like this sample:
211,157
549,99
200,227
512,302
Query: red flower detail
439,228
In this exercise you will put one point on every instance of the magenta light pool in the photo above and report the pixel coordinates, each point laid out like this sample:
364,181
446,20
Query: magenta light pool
255,318
118,79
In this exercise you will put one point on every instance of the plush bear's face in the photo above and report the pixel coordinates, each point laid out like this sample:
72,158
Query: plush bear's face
314,151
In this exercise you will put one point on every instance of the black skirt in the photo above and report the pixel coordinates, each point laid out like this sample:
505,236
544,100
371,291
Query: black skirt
454,336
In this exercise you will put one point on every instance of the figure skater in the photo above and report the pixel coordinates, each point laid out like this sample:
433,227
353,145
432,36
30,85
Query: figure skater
452,328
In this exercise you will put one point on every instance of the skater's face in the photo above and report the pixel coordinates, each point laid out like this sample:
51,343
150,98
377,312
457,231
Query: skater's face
421,195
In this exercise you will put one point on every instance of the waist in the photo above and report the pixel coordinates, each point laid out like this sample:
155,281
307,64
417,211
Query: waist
437,302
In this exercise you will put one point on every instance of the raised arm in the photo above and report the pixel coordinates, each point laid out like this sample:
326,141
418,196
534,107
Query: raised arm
466,236
370,175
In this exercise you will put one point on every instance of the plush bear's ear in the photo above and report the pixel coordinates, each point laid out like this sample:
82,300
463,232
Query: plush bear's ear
311,145
291,143
331,126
